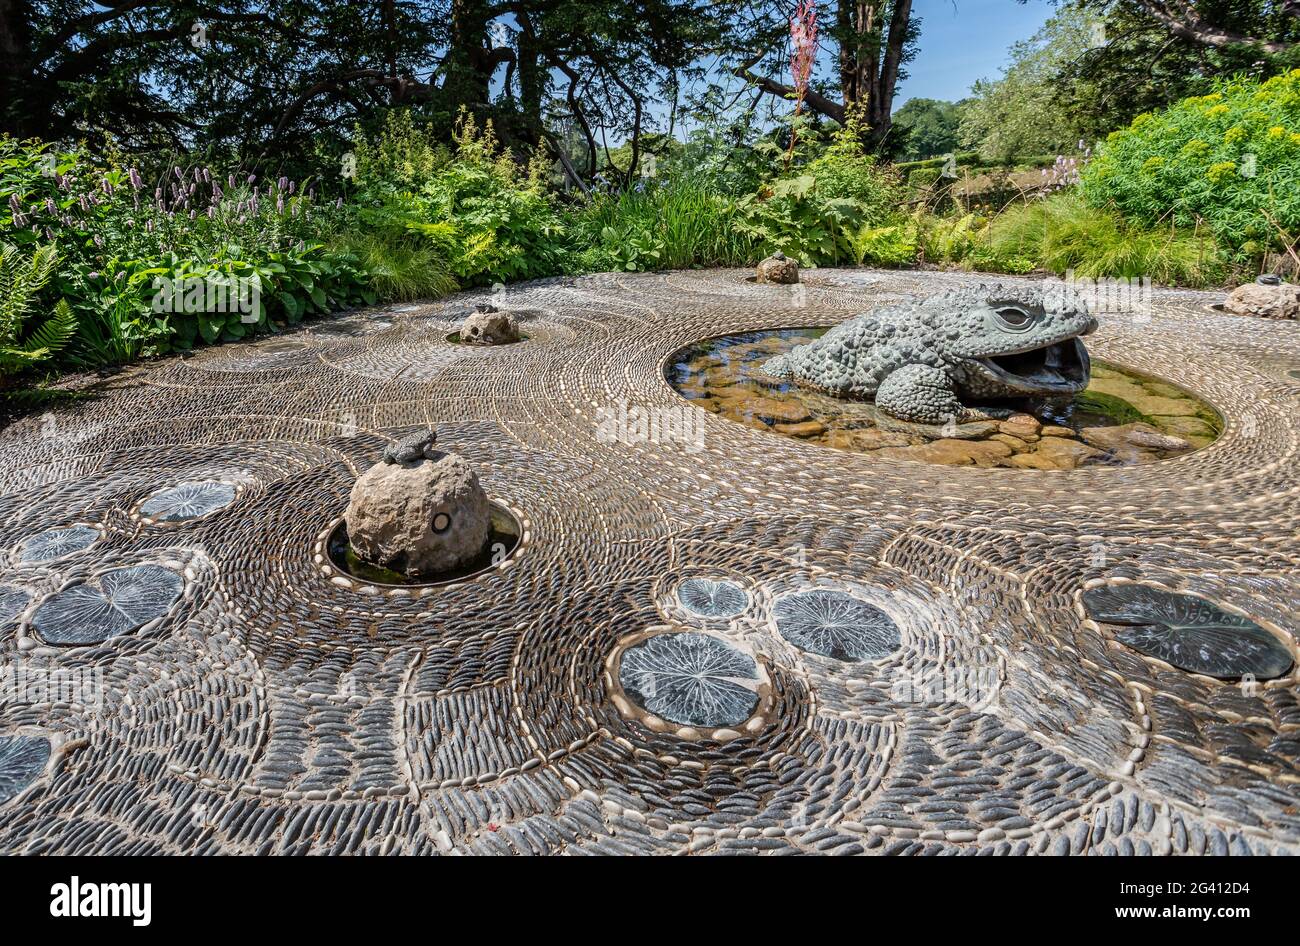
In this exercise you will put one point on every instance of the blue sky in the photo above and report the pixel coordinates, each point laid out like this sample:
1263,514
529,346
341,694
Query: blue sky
965,40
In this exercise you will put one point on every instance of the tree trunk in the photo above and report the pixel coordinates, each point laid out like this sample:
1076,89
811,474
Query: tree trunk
870,57
467,71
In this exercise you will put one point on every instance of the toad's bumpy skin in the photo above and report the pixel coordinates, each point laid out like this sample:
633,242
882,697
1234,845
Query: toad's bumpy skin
929,361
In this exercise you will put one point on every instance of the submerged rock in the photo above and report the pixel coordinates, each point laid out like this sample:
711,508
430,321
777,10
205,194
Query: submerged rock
1126,438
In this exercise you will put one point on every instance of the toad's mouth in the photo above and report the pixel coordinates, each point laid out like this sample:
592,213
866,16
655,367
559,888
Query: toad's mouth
1062,366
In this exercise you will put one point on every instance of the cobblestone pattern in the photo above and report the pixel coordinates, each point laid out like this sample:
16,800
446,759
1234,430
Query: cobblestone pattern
273,711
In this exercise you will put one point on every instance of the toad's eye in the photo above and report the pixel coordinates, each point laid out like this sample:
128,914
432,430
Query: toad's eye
1013,317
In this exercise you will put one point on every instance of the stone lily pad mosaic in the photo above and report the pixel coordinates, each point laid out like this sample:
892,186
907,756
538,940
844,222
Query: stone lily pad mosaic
691,679
712,599
126,600
838,625
56,543
188,501
22,760
12,601
1188,632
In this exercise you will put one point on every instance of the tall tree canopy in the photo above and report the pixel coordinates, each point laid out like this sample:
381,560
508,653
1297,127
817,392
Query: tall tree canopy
1137,62
271,76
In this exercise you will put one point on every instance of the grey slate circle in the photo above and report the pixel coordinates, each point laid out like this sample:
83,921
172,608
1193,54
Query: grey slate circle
12,601
22,760
188,501
126,600
1188,632
56,543
690,679
836,625
712,598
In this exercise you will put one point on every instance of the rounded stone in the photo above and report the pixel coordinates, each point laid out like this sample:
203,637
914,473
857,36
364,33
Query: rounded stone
778,268
419,518
837,625
691,679
1264,301
489,328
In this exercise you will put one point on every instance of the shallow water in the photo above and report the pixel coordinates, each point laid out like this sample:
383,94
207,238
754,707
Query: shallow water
1123,418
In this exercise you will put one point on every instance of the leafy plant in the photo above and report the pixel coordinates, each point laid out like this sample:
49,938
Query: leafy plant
679,223
399,266
1064,232
790,216
488,221
24,345
1230,158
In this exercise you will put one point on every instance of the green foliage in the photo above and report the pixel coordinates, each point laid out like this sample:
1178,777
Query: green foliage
1065,233
816,212
792,217
119,237
1015,115
1230,158
894,245
474,208
399,266
401,157
844,172
676,224
24,345
928,127
1137,65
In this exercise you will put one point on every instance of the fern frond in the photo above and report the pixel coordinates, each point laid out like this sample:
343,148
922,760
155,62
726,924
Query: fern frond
54,333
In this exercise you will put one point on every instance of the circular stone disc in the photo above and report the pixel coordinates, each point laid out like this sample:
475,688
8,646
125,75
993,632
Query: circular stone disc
126,599
22,760
56,543
188,501
691,679
712,599
838,625
1188,632
12,600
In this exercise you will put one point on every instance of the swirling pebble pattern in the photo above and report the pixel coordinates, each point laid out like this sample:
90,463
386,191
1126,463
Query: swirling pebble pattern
272,708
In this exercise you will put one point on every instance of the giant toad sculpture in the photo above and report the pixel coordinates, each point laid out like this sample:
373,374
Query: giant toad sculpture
931,361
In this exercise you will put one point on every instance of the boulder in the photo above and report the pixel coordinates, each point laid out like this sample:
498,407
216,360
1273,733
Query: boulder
778,268
489,326
421,516
1265,301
